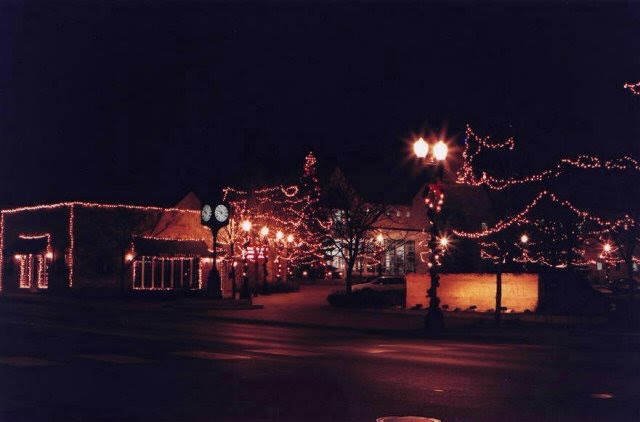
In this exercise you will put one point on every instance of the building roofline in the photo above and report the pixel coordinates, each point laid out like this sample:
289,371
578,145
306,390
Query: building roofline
93,205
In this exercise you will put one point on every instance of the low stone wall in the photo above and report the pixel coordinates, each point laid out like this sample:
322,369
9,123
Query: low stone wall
519,291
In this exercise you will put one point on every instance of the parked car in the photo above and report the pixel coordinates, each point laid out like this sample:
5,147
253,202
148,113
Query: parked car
332,273
382,284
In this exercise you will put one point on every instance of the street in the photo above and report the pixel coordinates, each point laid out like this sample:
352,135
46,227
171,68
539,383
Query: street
95,364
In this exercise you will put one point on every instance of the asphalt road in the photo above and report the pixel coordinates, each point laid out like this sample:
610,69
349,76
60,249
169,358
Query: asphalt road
103,365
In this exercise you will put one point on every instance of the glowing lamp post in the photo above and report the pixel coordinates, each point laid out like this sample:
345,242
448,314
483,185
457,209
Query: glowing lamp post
380,240
288,250
279,240
264,232
606,248
434,198
245,293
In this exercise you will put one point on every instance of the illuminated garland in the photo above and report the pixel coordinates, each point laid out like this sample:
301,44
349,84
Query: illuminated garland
476,144
49,254
96,205
521,218
634,88
173,239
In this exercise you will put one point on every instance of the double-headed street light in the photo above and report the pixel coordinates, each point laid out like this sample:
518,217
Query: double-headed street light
434,198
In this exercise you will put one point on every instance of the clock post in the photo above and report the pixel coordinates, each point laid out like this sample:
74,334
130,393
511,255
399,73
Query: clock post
215,218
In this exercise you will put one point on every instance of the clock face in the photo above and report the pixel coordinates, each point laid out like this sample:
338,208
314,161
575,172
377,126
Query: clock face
221,213
206,213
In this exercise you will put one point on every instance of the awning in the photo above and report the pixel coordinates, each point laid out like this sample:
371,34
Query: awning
155,247
34,246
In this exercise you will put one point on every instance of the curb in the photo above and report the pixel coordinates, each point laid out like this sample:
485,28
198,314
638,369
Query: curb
118,304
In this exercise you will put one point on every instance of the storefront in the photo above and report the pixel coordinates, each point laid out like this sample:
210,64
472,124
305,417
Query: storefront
169,264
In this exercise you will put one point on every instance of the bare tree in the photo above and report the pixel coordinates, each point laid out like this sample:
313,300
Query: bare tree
353,222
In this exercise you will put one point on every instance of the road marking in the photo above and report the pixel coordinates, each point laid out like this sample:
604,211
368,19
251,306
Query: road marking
119,359
419,347
285,352
601,396
24,361
201,354
358,349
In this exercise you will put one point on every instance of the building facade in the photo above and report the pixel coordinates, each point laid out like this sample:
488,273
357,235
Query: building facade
77,245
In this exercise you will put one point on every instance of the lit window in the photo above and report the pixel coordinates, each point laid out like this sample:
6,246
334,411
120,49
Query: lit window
397,213
408,214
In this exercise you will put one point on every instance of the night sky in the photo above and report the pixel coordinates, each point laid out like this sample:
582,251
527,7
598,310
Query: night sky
142,102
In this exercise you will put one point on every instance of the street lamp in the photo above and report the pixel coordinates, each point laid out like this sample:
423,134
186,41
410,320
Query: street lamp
434,198
606,251
245,293
279,241
287,251
524,239
264,232
380,240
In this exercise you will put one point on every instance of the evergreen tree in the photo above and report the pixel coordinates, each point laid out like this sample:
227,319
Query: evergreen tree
311,232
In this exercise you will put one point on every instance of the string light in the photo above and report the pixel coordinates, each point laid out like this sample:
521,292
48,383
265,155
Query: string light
288,209
521,218
476,144
634,88
580,233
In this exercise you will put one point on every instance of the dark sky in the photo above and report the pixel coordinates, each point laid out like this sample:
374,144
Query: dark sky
143,101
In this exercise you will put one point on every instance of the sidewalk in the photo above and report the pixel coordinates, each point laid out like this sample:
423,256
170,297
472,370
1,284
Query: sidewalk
309,308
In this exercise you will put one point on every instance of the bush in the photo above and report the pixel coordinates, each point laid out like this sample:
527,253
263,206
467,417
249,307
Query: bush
366,299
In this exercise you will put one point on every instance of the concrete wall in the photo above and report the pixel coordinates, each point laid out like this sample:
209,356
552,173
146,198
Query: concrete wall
519,291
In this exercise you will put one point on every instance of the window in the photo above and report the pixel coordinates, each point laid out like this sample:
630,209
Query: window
159,273
33,271
408,214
